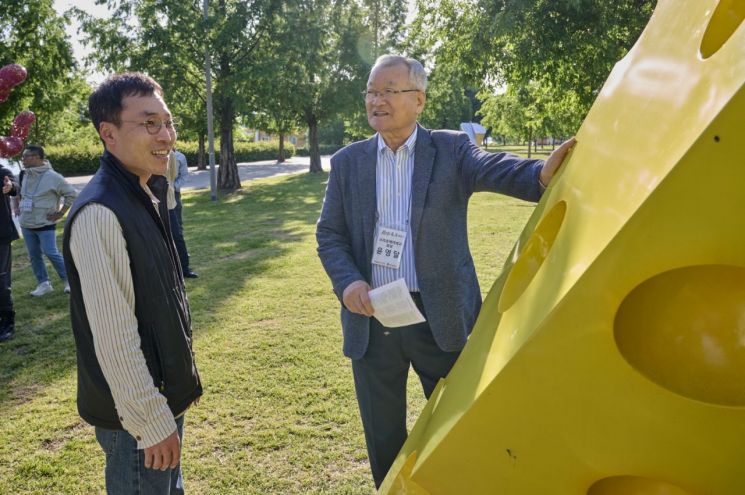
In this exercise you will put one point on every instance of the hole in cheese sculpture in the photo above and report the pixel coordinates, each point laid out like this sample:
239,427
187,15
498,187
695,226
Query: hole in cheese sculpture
609,357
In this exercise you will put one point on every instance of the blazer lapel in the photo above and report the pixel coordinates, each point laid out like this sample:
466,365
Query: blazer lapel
366,192
424,160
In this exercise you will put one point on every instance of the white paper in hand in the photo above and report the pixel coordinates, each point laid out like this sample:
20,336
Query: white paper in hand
394,306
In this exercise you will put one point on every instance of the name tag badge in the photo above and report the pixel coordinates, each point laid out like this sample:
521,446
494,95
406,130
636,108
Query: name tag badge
27,204
389,245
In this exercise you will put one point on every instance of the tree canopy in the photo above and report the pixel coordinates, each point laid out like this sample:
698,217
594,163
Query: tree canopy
275,63
34,35
287,65
558,51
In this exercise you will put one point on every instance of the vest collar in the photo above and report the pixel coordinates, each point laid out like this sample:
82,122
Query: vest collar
158,184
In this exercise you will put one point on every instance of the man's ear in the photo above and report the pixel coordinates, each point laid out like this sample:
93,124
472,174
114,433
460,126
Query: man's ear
107,132
421,99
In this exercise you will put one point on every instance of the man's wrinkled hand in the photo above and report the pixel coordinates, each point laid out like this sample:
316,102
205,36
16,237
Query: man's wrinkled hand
165,454
7,185
555,160
356,299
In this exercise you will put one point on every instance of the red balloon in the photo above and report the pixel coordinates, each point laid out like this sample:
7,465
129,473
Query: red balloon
22,124
25,118
10,146
20,131
13,74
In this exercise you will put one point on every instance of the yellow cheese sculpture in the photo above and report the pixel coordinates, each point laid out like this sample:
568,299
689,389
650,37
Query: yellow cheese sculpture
609,357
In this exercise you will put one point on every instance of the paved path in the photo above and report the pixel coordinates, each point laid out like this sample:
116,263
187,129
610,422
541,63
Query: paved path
200,179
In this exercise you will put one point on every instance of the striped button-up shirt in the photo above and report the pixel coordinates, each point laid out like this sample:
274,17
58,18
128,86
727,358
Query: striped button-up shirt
99,250
393,175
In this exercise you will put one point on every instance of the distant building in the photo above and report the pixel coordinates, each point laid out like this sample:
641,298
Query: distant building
297,140
475,132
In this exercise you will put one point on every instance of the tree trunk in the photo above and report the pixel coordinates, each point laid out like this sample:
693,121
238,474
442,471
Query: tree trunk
201,153
281,157
376,29
315,154
227,176
530,140
228,179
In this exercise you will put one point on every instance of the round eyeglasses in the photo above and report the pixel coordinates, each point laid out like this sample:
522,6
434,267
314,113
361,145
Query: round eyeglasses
153,126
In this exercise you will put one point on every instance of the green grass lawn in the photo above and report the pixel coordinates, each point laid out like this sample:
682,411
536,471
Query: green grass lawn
279,414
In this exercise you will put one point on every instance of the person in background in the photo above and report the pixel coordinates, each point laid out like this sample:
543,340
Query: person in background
42,191
177,173
8,234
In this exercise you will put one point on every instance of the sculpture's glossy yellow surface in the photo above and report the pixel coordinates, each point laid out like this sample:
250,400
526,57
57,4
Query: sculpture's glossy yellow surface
609,358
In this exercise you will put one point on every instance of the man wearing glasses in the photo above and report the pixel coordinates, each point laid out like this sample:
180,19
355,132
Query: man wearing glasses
414,182
128,306
42,191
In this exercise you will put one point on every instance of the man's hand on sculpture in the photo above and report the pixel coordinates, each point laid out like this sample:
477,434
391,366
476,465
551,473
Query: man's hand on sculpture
356,299
555,160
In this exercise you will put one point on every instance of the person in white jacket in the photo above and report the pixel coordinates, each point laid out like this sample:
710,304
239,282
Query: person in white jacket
45,198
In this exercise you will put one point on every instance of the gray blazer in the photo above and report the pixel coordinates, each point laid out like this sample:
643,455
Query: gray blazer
448,169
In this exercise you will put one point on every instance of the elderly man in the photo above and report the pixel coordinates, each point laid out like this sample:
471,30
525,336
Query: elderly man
416,182
128,306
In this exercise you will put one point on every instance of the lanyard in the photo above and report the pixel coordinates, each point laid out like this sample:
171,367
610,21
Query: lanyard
24,186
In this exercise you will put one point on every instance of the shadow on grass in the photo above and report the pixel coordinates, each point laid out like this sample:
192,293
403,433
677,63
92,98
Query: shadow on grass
230,241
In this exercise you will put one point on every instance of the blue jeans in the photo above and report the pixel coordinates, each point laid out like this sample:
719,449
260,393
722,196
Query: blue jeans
126,473
44,241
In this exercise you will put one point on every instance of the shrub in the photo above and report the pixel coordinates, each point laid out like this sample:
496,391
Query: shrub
72,160
325,149
243,151
262,150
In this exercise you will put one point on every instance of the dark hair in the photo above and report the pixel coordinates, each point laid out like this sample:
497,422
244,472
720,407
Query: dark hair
105,103
36,150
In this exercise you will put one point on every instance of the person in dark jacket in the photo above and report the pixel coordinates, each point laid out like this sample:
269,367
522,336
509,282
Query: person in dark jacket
128,305
396,208
8,234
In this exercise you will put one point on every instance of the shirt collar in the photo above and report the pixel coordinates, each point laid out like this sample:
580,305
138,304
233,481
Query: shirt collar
408,144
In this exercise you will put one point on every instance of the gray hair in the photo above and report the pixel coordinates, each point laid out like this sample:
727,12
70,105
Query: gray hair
417,75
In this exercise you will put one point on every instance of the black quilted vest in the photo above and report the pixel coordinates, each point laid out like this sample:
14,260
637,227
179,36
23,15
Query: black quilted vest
161,306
